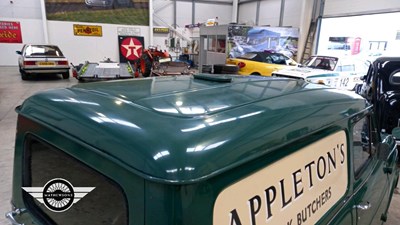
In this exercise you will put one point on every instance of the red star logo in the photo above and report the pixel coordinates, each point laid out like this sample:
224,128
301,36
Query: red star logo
131,48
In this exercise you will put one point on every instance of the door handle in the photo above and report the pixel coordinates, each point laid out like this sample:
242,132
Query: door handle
363,206
388,170
10,216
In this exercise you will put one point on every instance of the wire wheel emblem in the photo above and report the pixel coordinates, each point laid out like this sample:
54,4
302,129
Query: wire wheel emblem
58,195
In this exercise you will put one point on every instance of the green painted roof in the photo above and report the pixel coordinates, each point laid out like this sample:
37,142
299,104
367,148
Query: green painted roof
181,129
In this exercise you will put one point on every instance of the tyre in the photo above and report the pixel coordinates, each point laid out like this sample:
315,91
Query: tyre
206,69
256,74
145,65
24,76
218,68
65,75
225,69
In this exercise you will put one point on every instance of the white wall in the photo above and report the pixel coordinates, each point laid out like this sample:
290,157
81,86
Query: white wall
28,13
184,13
269,13
79,49
247,13
22,9
32,32
357,7
159,39
163,10
204,11
293,13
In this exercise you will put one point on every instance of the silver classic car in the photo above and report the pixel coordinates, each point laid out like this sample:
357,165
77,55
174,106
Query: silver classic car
42,59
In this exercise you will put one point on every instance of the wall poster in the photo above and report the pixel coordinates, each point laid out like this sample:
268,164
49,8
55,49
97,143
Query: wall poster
10,32
129,12
243,39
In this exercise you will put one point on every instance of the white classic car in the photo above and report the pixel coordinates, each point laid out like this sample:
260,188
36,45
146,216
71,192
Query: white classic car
42,59
341,73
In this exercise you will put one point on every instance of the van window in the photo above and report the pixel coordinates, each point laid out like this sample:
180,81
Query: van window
105,204
395,78
361,145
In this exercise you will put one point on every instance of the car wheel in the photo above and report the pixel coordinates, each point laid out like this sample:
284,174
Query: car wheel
145,65
24,76
65,75
256,74
206,69
225,69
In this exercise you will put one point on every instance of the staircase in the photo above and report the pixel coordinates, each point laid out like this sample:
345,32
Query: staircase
309,42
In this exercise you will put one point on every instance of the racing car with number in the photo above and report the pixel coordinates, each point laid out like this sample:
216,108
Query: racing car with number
341,73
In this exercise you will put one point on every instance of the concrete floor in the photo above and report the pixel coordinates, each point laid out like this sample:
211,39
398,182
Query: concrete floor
13,91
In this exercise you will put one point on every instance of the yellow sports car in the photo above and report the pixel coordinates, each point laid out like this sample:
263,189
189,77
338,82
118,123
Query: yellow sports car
261,63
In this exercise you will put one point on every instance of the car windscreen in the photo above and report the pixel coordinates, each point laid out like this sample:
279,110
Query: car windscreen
322,62
43,50
248,56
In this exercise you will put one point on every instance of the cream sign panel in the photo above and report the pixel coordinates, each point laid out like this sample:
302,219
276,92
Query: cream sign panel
296,190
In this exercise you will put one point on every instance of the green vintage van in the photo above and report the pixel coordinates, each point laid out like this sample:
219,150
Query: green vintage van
201,150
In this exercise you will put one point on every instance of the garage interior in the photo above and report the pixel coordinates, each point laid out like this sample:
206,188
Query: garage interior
360,28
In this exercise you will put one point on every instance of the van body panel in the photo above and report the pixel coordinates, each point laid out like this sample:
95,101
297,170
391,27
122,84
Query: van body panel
179,150
249,108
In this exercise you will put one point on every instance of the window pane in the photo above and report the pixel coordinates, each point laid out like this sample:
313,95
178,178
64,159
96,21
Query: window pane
348,68
361,144
395,78
43,50
221,43
212,43
105,204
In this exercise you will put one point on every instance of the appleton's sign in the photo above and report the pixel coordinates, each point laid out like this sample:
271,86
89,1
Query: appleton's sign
87,30
298,189
10,32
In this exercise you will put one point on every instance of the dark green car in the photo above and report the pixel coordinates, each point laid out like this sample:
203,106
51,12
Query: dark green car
201,150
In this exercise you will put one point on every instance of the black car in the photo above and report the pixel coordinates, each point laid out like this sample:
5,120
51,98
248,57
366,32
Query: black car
381,88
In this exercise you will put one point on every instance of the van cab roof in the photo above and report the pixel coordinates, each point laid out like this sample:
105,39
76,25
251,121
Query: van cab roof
184,129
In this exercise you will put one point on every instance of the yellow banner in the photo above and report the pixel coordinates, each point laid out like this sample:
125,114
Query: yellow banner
87,30
161,30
